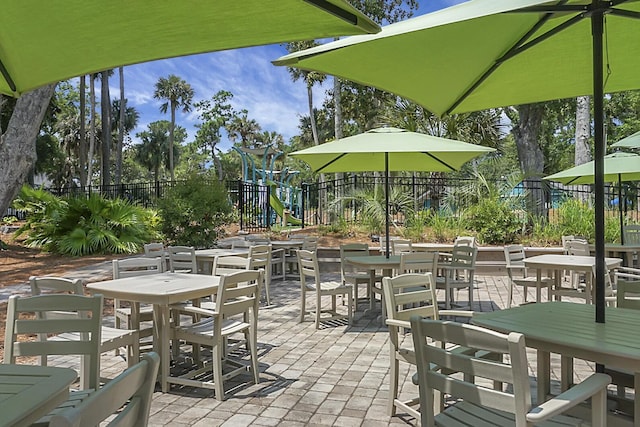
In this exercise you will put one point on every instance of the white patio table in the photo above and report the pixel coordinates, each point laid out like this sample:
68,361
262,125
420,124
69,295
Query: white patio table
373,263
570,329
161,290
204,257
558,263
28,392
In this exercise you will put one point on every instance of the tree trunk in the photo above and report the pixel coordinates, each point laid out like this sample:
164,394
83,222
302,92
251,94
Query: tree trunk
583,130
171,143
123,108
530,155
105,106
82,167
92,127
18,143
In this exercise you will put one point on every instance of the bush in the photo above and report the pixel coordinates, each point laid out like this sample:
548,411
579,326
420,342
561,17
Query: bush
494,221
79,225
194,211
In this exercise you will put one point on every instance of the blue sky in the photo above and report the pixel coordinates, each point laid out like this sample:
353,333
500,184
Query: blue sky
264,90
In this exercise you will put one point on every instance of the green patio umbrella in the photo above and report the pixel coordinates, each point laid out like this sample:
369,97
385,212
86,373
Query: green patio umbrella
618,167
490,53
390,149
632,142
49,41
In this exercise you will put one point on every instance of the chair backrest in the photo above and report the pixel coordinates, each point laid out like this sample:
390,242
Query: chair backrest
565,239
308,267
418,262
407,295
514,256
577,247
310,243
260,256
55,284
465,241
400,246
132,391
55,314
153,250
183,259
464,256
230,264
138,266
239,293
628,294
348,250
631,234
471,387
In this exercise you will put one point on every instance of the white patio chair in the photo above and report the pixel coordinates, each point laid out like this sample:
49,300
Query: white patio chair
85,317
400,246
111,339
479,402
458,274
514,256
408,295
350,274
182,259
309,269
128,396
309,243
260,258
237,302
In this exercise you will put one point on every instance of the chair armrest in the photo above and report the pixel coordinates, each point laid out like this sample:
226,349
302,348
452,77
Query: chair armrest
398,323
456,313
596,383
198,310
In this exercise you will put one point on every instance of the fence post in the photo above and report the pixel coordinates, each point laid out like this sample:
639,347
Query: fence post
305,190
268,206
240,188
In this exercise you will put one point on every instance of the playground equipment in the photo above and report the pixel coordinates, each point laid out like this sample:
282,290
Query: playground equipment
284,198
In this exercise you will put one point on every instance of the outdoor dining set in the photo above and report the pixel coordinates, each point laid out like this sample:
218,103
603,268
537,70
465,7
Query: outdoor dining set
194,316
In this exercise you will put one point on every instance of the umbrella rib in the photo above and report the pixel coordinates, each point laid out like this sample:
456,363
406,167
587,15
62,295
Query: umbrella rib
7,77
439,161
500,60
626,13
321,168
334,10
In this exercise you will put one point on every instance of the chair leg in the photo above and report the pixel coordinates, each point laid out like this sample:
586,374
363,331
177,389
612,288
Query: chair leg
350,301
252,343
318,308
510,297
216,359
267,282
303,303
393,377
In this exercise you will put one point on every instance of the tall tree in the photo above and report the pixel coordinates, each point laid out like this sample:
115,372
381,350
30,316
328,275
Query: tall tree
125,120
105,137
215,114
18,142
583,131
120,120
242,129
82,166
310,79
153,151
178,94
92,127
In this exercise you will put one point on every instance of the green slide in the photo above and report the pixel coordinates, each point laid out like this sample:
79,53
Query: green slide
278,207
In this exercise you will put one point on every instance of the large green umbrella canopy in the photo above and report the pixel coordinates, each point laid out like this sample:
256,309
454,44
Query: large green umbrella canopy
632,141
490,53
49,41
618,167
390,149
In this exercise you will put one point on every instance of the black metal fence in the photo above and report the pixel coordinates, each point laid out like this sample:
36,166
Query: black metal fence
322,203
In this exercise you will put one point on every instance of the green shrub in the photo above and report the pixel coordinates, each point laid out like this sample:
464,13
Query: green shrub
82,226
194,212
576,218
494,221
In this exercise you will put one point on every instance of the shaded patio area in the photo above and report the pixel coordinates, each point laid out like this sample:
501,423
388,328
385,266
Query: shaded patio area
337,375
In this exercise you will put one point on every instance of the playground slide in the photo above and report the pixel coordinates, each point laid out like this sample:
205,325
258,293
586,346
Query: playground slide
278,207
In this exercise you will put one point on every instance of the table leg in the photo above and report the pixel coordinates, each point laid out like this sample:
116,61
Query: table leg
566,372
161,343
372,283
588,281
544,375
538,286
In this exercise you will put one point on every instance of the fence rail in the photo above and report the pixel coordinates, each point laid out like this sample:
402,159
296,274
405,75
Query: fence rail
322,203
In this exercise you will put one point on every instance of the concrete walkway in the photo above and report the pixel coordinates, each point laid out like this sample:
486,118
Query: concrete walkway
337,375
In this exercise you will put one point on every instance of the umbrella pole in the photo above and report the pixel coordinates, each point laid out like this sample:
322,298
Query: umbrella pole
597,26
386,200
620,209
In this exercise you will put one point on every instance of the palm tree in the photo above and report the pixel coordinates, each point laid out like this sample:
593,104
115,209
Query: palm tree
125,120
177,93
120,120
241,129
310,78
